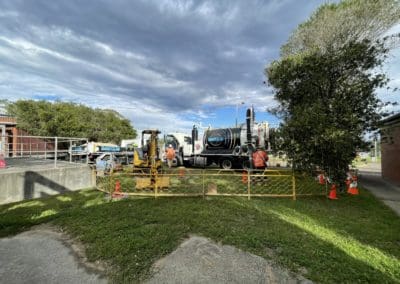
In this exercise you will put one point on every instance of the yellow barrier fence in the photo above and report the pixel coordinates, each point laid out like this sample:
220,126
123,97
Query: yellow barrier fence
200,182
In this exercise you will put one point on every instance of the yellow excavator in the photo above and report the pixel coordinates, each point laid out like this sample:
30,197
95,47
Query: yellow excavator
146,160
147,157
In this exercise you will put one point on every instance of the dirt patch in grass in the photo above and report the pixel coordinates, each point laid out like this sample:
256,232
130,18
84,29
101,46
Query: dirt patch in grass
200,260
77,248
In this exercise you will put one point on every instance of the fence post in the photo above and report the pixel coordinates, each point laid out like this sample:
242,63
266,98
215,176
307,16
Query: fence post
203,181
87,151
294,186
55,151
110,186
70,151
94,177
155,190
45,149
326,187
30,147
248,184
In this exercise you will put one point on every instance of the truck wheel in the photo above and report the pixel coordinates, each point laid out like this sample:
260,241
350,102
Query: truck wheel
226,164
246,164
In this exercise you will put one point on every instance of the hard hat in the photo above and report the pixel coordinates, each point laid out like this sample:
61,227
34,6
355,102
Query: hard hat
170,146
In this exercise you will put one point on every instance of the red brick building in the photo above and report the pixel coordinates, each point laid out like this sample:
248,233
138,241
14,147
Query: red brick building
390,148
8,132
15,142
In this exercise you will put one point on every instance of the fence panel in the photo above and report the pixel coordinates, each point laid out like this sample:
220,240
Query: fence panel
225,182
307,184
272,184
198,182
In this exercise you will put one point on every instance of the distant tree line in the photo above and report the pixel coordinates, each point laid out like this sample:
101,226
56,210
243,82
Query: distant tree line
43,118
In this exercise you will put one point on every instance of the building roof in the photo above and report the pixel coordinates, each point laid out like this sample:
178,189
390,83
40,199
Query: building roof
394,119
7,119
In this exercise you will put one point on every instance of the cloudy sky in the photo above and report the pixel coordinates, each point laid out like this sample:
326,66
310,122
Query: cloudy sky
165,64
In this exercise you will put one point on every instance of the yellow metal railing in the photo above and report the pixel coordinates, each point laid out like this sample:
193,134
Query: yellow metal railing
199,182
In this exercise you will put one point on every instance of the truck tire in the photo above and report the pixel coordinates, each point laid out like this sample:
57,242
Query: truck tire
226,164
246,164
180,157
179,160
237,150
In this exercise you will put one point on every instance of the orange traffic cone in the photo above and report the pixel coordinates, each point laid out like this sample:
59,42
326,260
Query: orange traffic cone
117,190
181,171
321,179
3,163
353,190
332,192
244,177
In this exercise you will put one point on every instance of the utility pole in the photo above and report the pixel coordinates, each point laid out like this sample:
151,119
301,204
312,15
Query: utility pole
237,111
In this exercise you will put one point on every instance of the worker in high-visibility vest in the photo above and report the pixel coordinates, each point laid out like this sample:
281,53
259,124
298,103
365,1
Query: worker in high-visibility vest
260,159
170,154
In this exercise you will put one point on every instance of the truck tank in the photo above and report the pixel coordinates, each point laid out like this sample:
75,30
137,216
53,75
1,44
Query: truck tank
222,138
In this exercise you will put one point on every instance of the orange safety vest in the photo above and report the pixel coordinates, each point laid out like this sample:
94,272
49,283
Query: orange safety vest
170,153
260,159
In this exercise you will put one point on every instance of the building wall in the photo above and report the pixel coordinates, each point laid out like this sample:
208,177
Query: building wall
22,184
5,119
390,144
8,126
20,145
15,144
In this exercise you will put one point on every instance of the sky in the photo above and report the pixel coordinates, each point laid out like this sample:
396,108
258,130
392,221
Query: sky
162,64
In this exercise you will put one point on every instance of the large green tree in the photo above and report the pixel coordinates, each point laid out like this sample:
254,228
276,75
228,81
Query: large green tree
326,81
334,25
70,120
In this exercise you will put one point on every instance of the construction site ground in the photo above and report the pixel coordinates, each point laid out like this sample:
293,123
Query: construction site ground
196,240
45,255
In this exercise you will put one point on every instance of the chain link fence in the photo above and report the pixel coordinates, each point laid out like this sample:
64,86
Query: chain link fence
199,182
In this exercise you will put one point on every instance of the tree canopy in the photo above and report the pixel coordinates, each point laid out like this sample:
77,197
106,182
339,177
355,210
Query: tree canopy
325,83
66,119
334,25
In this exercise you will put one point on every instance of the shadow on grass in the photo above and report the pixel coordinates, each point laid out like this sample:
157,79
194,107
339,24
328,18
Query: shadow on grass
133,233
20,216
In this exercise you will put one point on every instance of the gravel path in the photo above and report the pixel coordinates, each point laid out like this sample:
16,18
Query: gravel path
42,256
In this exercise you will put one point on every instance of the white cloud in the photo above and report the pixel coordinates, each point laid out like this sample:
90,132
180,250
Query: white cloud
165,64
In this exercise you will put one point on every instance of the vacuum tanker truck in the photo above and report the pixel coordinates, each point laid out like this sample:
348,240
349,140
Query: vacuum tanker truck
226,147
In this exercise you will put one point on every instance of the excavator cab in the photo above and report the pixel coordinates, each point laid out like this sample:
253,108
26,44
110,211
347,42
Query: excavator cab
147,157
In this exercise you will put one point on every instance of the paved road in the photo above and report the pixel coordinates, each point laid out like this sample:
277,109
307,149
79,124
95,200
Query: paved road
382,189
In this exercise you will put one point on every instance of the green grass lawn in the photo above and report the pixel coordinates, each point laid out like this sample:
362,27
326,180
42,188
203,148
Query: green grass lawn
353,239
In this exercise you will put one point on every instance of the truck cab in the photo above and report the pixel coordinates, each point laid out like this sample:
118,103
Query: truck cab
183,145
